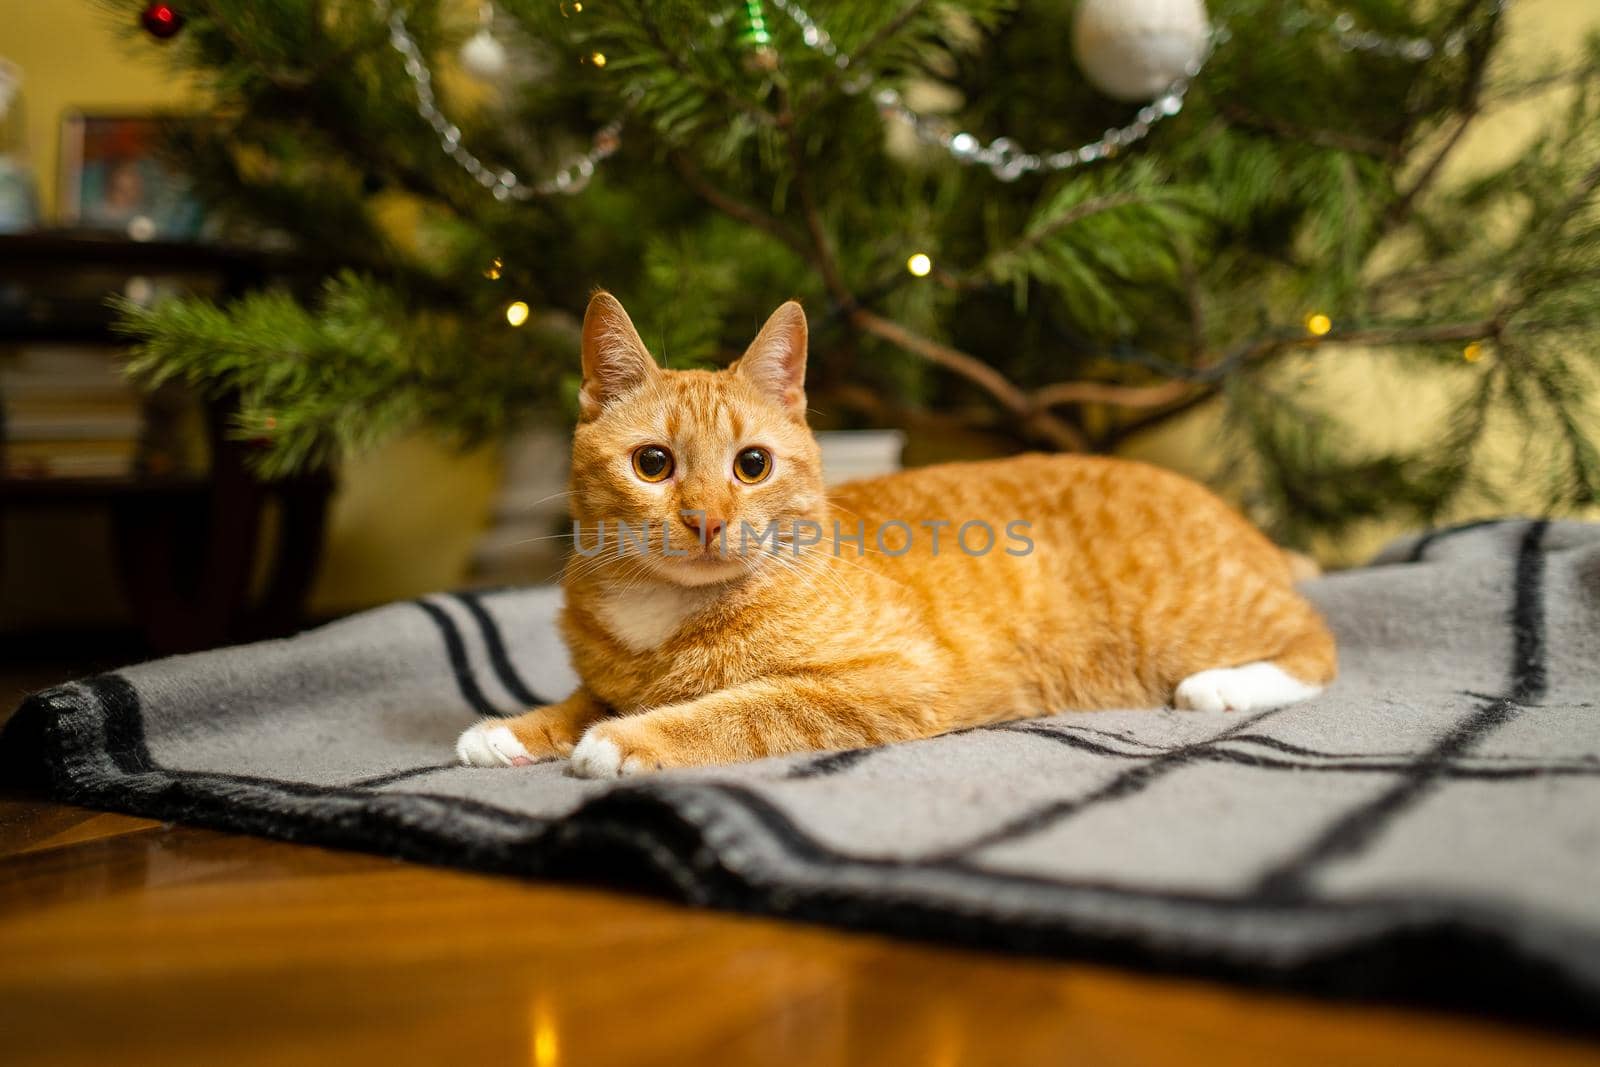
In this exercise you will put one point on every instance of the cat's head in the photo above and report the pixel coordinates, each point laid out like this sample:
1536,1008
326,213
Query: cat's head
691,451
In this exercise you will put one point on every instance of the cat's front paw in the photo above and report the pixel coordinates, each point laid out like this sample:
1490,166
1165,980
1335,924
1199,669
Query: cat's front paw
617,749
491,743
545,733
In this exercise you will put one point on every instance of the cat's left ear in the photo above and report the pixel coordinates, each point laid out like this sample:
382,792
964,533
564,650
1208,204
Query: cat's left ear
775,362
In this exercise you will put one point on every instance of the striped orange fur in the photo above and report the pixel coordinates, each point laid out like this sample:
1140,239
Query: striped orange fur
1141,588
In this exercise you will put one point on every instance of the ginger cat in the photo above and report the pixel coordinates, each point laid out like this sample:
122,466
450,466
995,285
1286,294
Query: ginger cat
1104,584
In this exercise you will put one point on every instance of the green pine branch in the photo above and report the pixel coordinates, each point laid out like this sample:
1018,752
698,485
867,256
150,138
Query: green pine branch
1069,309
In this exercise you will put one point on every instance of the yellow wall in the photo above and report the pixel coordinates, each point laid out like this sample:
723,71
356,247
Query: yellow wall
404,522
1392,408
405,518
73,57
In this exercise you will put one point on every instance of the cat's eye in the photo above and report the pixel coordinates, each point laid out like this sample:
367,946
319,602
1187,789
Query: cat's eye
652,463
752,465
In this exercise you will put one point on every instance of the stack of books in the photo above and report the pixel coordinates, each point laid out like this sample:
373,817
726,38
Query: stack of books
67,413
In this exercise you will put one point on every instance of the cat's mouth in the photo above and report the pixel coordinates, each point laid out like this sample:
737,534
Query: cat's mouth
703,568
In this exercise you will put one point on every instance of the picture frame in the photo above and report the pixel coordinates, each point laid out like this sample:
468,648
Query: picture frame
114,179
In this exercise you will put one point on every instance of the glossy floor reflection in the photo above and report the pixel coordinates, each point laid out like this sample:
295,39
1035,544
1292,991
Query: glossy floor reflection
123,941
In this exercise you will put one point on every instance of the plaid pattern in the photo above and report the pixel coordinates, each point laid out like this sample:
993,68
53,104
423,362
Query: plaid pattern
1426,829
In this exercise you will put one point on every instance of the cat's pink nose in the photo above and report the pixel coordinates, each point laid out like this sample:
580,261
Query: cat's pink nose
704,527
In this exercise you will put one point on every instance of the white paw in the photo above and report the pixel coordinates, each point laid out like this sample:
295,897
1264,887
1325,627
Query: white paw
596,757
1252,687
491,744
600,757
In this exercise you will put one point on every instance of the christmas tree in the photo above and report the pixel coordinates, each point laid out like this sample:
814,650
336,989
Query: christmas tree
1066,223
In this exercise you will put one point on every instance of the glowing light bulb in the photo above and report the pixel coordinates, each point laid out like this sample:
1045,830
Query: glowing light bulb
1318,324
517,313
598,59
492,271
920,265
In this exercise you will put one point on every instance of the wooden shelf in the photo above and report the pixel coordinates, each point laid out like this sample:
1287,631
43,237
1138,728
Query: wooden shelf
93,490
187,547
46,247
34,309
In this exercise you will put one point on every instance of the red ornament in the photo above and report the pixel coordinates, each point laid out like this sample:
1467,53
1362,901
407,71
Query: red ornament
161,20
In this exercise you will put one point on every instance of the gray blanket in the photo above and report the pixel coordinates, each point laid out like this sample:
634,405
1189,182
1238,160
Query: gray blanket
1427,829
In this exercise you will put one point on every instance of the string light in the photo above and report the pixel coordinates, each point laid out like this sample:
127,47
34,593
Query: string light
920,264
1415,49
1007,160
1318,324
492,271
1473,352
504,184
517,312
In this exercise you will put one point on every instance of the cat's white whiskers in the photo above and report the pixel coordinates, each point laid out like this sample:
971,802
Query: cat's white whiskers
634,576
868,570
546,537
806,564
822,556
587,565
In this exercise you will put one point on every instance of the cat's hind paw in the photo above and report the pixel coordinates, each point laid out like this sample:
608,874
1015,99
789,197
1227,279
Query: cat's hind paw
1251,687
491,743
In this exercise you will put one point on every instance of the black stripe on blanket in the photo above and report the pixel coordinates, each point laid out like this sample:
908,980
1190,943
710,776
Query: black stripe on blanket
456,650
1498,764
1356,829
1427,541
1223,752
1130,781
495,643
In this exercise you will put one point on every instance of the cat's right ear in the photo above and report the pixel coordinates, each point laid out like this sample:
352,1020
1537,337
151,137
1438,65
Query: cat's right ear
614,358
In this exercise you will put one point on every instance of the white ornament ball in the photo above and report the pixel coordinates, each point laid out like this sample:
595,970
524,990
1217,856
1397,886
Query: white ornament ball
1135,49
483,56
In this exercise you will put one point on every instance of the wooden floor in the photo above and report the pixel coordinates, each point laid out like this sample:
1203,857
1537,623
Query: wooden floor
123,941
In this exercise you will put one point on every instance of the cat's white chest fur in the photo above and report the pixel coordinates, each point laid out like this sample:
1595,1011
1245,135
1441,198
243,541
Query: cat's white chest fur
642,617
